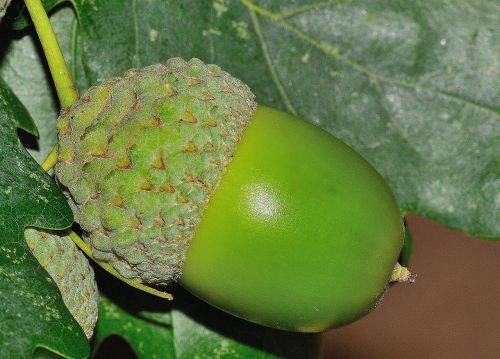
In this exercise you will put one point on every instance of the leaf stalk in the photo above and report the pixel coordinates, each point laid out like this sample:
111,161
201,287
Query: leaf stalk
66,89
63,82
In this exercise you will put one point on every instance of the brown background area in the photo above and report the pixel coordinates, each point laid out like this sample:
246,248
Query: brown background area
452,311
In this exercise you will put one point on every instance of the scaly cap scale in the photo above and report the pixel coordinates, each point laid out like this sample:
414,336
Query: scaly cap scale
71,271
139,156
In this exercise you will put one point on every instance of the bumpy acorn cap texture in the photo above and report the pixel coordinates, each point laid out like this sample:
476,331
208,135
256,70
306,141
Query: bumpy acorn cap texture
72,273
138,157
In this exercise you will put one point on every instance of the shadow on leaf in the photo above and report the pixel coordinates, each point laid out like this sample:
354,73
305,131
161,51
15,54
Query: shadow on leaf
197,326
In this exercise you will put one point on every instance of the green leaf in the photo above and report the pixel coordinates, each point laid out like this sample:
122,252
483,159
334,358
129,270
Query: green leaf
201,331
187,328
412,86
152,31
141,319
42,353
14,111
32,312
24,68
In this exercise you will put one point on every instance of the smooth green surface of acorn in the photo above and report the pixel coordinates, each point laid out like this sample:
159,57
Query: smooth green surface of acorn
173,175
301,234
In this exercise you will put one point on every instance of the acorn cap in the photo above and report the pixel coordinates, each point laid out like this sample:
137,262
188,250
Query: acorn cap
71,271
139,156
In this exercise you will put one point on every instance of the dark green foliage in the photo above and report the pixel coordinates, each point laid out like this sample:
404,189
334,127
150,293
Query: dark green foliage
32,311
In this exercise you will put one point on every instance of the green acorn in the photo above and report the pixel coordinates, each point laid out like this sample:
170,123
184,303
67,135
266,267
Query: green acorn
139,156
174,175
71,271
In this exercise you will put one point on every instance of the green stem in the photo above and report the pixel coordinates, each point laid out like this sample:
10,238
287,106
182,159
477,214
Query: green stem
66,89
51,159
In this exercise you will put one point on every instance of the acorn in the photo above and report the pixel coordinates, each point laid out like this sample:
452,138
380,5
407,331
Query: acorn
175,175
71,271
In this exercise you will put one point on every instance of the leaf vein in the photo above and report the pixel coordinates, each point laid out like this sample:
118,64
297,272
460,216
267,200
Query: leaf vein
137,59
269,62
308,7
328,50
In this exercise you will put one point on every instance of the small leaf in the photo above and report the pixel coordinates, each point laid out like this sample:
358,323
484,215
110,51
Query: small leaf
32,312
13,110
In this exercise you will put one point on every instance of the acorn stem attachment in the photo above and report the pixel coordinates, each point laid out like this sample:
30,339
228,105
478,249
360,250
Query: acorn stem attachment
86,249
66,89
401,274
51,160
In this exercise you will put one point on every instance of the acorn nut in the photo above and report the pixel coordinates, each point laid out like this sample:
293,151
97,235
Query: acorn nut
174,174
